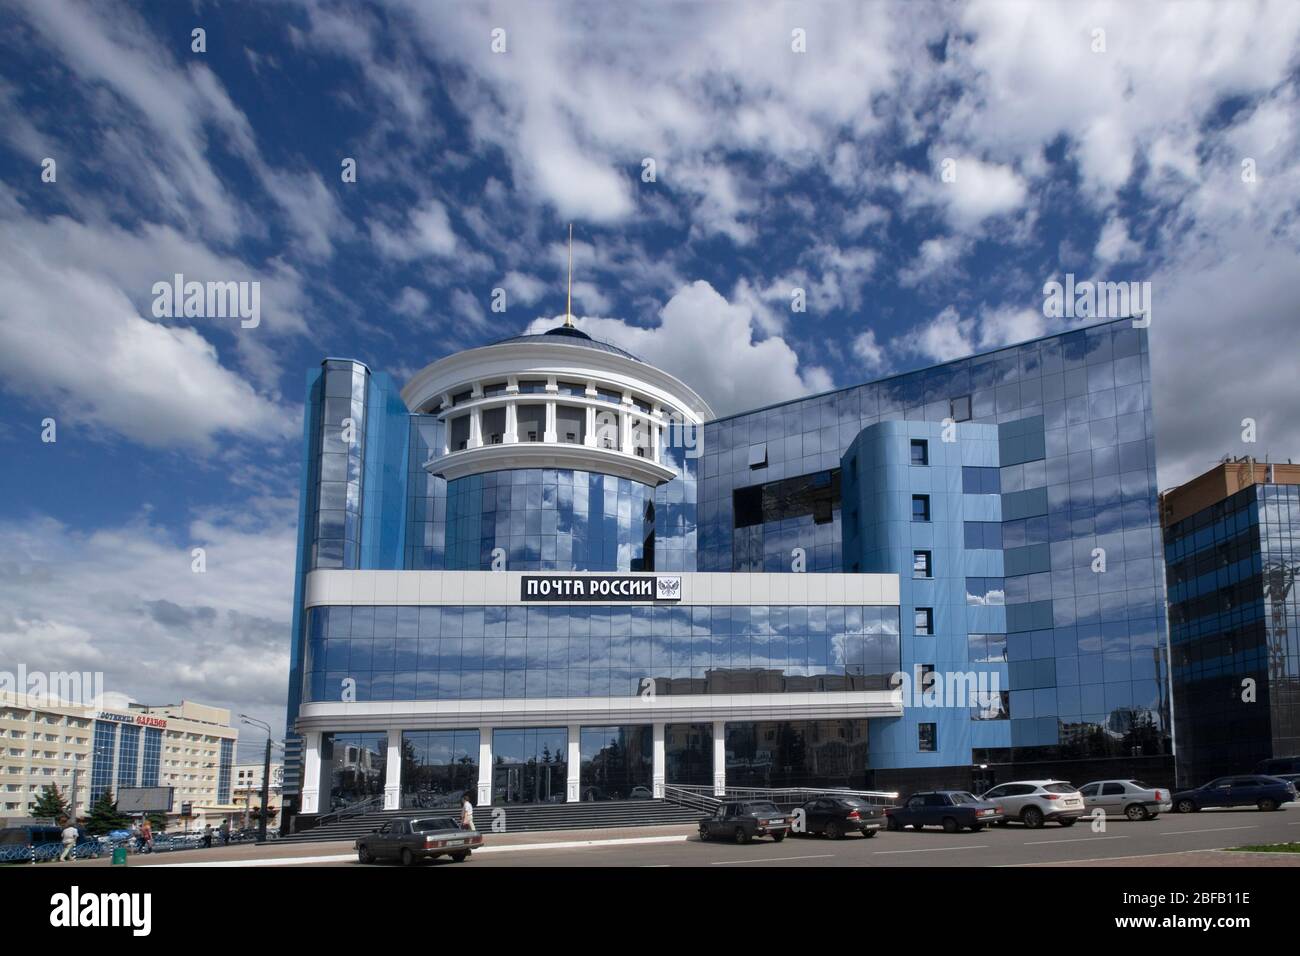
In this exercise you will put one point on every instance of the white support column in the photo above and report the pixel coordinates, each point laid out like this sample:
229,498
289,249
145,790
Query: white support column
658,768
589,439
512,425
484,767
625,433
719,758
476,428
548,433
393,771
575,764
311,771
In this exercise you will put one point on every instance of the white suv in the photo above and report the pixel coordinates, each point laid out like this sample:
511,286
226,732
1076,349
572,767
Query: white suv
1033,802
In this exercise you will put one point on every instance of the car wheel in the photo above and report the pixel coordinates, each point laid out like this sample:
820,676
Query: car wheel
778,837
834,831
741,836
364,855
407,857
1067,821
868,833
950,825
1184,806
459,857
892,824
1135,811
1032,817
1267,804
704,834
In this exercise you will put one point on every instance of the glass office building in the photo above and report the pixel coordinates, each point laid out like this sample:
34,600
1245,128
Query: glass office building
545,571
1232,554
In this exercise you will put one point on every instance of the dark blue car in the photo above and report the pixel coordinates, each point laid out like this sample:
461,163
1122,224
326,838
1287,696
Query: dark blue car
950,809
1267,793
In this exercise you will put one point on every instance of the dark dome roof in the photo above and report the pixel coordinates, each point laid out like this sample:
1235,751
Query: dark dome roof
565,335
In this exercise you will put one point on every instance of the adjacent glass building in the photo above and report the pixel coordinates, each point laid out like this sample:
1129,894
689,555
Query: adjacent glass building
889,586
1232,552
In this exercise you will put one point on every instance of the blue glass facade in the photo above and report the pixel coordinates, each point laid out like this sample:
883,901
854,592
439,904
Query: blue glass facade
989,485
101,763
225,763
1233,611
128,756
550,520
152,758
489,653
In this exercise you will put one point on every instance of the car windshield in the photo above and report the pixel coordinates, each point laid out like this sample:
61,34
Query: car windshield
13,836
761,808
1058,788
964,797
434,823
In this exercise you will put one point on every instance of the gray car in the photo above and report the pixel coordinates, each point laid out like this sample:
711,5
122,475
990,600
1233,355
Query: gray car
1129,798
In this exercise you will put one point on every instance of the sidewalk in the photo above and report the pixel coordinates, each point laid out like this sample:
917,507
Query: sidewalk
251,853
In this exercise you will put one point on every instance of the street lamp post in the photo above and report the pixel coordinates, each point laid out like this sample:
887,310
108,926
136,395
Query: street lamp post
266,776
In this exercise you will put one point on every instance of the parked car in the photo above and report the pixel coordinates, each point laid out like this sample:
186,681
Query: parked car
836,816
743,820
640,793
1034,802
1276,766
950,809
1267,793
1291,778
418,838
1130,798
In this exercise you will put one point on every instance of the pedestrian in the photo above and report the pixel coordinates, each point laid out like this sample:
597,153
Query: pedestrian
137,837
207,835
466,813
225,832
146,836
69,841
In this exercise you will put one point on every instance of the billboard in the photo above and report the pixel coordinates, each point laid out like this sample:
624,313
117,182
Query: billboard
145,799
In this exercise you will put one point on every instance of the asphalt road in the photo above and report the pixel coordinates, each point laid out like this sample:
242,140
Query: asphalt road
1123,841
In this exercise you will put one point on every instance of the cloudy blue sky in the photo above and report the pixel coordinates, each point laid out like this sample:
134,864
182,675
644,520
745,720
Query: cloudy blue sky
775,170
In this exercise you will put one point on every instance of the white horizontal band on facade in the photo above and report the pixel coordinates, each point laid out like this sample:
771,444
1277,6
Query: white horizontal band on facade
502,588
513,455
598,711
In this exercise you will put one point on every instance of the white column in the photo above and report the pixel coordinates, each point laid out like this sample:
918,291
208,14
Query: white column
484,767
589,439
311,772
658,768
625,433
548,434
393,771
475,428
512,424
719,758
575,763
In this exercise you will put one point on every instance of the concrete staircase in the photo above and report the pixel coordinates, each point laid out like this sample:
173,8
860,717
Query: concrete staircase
520,818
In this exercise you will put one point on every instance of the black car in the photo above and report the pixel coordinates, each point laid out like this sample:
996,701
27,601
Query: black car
742,820
950,809
1244,790
835,816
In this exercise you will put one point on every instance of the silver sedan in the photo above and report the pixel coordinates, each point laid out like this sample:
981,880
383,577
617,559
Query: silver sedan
1129,798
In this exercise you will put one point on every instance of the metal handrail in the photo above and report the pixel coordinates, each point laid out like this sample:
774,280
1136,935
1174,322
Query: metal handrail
351,810
775,794
693,798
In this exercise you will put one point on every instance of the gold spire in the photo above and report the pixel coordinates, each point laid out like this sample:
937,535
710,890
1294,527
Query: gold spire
568,307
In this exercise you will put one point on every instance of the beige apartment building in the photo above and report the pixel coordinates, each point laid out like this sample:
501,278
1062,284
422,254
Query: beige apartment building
86,750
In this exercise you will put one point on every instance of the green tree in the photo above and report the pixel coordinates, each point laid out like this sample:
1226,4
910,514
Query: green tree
104,816
51,803
159,822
